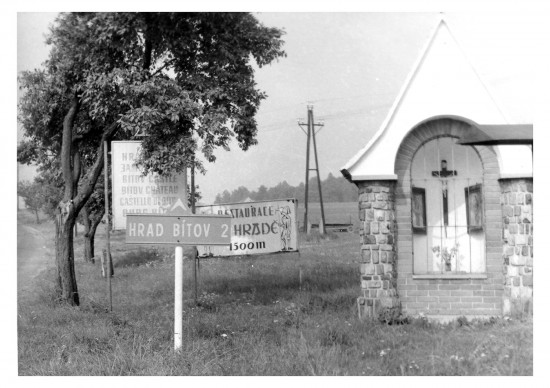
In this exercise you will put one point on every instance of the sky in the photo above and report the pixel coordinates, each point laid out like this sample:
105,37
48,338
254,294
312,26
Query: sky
350,67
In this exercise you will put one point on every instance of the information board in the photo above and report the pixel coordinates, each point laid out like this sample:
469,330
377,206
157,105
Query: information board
134,193
256,227
178,230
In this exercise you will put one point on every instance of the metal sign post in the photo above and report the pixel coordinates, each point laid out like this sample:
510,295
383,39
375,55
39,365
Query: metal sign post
178,227
178,299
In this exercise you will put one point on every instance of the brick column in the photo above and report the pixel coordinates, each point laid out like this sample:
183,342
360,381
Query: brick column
377,234
517,212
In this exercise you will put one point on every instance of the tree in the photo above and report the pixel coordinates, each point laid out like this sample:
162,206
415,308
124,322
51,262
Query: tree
34,198
225,197
261,194
240,194
91,216
198,195
51,189
185,80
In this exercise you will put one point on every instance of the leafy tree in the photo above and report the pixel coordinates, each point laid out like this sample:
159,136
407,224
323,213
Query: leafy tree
225,197
184,80
240,194
33,196
198,195
261,194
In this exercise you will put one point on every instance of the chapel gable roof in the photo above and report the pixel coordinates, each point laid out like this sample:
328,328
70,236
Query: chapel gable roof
473,100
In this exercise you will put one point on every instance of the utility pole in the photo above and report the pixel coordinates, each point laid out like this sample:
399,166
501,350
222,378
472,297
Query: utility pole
311,124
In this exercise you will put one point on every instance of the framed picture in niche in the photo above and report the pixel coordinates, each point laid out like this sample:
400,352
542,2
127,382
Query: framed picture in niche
418,201
474,208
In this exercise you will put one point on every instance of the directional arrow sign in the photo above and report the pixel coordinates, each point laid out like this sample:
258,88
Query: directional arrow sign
189,229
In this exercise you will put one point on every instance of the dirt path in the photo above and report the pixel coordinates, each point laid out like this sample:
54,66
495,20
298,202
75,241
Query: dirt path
34,254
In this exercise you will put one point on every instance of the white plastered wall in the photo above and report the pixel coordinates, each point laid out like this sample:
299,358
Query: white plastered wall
442,84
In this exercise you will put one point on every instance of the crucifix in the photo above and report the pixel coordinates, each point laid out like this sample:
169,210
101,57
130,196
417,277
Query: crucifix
444,173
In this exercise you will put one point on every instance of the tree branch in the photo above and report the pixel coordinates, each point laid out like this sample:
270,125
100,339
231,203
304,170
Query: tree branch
93,173
80,135
148,51
77,167
96,220
66,148
164,67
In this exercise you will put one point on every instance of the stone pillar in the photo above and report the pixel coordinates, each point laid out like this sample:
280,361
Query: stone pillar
378,253
517,212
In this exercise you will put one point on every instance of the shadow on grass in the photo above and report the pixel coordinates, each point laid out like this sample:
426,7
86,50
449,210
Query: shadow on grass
142,256
315,236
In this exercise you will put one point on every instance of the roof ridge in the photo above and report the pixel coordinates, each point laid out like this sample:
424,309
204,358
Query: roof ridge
442,21
399,97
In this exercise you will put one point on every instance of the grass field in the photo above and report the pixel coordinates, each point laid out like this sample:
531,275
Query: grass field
251,319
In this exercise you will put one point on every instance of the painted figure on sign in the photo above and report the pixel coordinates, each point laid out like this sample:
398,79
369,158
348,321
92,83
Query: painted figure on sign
284,227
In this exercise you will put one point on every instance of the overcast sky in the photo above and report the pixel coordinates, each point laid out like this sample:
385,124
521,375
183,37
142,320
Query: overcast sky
350,66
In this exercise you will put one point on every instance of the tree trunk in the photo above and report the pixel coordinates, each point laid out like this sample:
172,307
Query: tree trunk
73,201
93,229
88,242
37,219
66,279
89,239
90,227
66,216
89,249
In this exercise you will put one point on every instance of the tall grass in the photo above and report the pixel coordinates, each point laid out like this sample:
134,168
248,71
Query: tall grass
251,318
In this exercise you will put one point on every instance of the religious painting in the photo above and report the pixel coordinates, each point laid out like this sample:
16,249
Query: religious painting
474,208
418,210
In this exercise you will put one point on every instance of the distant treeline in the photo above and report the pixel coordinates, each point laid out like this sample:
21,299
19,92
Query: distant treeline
333,189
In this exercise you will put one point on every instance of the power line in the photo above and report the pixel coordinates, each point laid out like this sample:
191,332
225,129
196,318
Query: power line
374,95
281,125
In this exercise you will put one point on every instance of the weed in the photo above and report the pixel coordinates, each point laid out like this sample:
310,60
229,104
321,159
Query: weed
462,321
392,316
332,336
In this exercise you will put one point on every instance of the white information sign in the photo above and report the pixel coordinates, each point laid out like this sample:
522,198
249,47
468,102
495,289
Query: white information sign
134,193
256,227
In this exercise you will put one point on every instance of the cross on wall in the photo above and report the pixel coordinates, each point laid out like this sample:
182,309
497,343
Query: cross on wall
444,173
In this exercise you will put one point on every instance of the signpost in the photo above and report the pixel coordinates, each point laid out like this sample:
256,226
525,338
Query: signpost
140,204
178,227
256,227
188,229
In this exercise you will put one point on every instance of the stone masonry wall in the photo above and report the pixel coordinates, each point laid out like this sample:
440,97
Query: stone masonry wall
377,234
517,213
